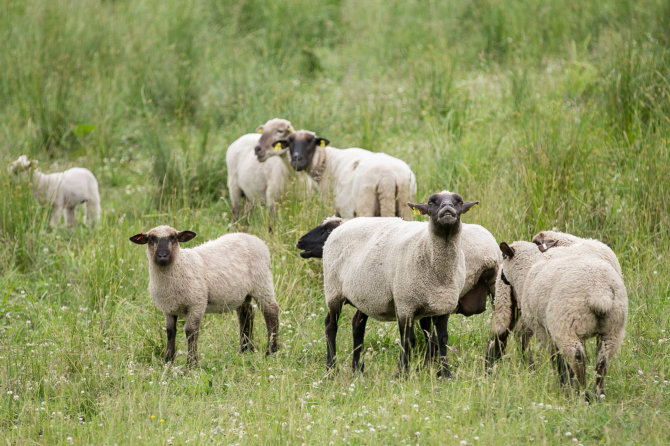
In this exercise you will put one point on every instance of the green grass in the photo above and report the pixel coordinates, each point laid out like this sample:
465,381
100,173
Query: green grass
551,115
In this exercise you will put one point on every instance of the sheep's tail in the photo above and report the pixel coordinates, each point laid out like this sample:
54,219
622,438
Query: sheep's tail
406,194
601,301
386,195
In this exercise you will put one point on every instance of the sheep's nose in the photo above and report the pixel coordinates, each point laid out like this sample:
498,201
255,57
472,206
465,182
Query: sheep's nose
257,150
297,158
163,254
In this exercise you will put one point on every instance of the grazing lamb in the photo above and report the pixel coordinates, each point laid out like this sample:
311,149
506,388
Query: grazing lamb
588,246
63,190
565,299
247,177
365,184
392,269
505,306
220,275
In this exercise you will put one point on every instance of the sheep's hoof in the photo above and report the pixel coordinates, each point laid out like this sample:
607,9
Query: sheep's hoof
444,373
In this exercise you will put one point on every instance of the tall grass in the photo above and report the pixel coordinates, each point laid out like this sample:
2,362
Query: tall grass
551,115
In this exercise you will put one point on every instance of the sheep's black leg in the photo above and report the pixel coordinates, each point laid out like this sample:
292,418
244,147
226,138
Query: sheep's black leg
406,328
601,370
564,371
358,329
579,365
245,316
442,336
526,334
192,330
171,328
496,348
331,334
271,316
426,325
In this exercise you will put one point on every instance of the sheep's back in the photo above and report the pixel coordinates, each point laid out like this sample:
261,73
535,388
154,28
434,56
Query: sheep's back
481,253
234,264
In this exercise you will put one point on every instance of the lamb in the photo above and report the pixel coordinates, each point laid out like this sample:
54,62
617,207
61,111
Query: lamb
249,178
365,184
482,259
506,308
566,299
392,269
550,239
220,275
63,190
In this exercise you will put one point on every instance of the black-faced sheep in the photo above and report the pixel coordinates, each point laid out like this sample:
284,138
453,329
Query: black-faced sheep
220,275
365,184
63,190
392,269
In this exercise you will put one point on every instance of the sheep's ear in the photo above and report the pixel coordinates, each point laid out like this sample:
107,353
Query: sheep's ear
140,239
280,145
259,129
507,250
420,208
546,245
290,129
185,236
468,204
322,142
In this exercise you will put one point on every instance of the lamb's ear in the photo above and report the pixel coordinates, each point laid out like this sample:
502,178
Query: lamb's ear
546,245
140,239
468,204
421,208
322,142
185,236
507,250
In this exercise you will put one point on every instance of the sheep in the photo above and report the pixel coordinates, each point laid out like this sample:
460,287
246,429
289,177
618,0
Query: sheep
482,259
247,177
63,190
564,300
220,275
550,239
365,184
392,269
506,308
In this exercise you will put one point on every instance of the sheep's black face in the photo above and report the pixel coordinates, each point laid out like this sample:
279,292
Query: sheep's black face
163,248
302,146
312,242
445,208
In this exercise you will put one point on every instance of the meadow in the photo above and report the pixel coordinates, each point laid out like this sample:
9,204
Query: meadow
551,114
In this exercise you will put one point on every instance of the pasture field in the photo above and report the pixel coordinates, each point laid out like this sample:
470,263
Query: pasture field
551,114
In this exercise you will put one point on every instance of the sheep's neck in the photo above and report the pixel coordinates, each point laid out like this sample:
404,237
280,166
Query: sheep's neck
444,244
319,164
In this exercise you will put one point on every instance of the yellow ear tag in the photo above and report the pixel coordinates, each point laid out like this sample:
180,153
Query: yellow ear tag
277,147
415,211
322,143
260,130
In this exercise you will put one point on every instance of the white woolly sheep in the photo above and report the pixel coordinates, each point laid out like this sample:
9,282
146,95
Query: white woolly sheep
63,190
247,177
392,269
506,310
565,299
365,184
482,260
220,275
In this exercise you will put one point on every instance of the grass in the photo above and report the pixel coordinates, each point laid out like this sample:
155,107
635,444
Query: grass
551,115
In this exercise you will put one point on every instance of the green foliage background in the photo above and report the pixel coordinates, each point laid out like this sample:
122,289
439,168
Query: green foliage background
551,114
